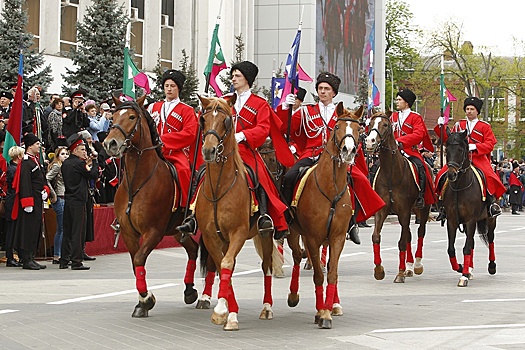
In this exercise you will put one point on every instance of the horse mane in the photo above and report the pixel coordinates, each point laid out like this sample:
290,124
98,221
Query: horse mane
222,104
155,138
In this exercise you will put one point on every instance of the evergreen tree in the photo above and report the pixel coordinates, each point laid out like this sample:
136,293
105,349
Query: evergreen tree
100,52
239,53
362,89
188,94
13,38
157,91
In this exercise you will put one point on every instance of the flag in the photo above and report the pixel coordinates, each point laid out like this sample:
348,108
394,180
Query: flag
13,134
374,96
277,91
132,76
447,98
216,61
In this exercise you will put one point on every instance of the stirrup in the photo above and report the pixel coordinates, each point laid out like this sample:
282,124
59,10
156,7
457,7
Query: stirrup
189,226
420,203
353,234
494,210
265,225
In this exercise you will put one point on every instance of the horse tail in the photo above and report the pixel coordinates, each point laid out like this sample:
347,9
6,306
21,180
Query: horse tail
204,254
483,231
277,257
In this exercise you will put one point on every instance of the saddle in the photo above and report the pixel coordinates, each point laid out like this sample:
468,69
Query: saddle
480,179
413,170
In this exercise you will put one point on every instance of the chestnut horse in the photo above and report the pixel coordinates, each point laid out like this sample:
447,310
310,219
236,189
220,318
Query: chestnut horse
223,209
462,199
323,215
396,186
143,211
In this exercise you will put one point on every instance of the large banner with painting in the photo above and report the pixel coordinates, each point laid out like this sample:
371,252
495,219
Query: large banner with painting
343,31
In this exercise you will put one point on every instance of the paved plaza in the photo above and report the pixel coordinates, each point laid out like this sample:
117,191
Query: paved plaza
65,309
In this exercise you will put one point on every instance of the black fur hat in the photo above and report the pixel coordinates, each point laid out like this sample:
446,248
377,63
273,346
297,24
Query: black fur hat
330,79
176,76
408,96
473,101
248,69
301,94
30,139
6,94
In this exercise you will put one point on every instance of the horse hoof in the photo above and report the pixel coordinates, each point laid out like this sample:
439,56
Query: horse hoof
325,324
409,273
139,311
307,266
463,281
293,299
218,318
317,318
203,305
492,268
147,302
418,270
400,278
266,315
379,272
232,324
337,310
191,297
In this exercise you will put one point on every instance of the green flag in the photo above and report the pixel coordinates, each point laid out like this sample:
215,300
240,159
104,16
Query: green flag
130,71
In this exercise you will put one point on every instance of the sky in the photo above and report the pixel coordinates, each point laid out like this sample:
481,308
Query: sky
485,22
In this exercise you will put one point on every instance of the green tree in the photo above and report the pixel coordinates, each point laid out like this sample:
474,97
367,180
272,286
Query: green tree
188,94
239,57
362,89
99,55
157,91
13,38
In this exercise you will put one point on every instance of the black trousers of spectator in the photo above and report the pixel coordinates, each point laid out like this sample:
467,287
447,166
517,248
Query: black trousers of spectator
74,234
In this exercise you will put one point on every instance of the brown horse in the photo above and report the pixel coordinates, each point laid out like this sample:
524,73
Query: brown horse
223,209
323,215
462,199
395,185
141,209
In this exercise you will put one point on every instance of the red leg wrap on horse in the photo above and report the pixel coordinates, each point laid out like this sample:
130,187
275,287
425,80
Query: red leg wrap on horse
336,295
268,290
224,285
402,258
232,302
140,279
454,263
419,250
329,301
190,271
466,263
294,283
377,254
319,297
492,253
410,257
472,258
323,256
208,283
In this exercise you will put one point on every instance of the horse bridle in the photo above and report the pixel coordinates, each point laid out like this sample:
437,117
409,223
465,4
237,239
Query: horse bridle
228,123
383,137
460,168
337,144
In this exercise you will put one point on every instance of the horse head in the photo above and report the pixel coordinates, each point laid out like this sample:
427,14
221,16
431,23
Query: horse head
125,122
217,127
457,154
380,130
345,136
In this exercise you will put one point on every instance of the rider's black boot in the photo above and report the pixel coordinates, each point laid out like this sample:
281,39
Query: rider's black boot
493,207
188,226
264,223
353,230
420,201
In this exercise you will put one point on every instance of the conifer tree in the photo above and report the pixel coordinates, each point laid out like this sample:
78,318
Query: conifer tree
239,53
157,91
188,94
99,55
13,38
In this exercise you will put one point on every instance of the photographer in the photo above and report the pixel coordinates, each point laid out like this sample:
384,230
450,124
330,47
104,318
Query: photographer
76,119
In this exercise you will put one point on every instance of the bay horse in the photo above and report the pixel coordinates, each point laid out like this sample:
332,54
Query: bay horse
463,202
143,212
323,216
396,186
223,210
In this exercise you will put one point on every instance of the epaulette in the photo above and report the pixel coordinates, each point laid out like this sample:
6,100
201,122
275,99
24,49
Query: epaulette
484,122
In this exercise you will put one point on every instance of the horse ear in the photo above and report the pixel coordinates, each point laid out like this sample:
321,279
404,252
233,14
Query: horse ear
232,100
141,100
116,101
360,111
340,109
204,101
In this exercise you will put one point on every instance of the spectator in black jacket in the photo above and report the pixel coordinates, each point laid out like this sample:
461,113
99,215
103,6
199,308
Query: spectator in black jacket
76,119
77,170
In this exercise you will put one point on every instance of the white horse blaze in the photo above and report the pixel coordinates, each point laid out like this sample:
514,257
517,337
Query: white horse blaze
373,134
349,143
122,112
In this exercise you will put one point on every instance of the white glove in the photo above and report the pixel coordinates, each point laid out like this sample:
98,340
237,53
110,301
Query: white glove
367,121
28,209
239,136
441,121
472,147
44,195
293,149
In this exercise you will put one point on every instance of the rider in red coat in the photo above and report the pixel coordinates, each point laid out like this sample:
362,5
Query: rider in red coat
254,121
310,130
481,144
177,127
410,131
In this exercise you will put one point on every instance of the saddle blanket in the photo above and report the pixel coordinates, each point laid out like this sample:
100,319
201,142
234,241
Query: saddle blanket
413,171
479,179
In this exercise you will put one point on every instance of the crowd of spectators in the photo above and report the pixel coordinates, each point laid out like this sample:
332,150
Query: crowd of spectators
32,179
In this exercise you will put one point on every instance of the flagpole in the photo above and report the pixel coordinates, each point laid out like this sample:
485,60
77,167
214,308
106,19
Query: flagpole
198,138
292,90
442,85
